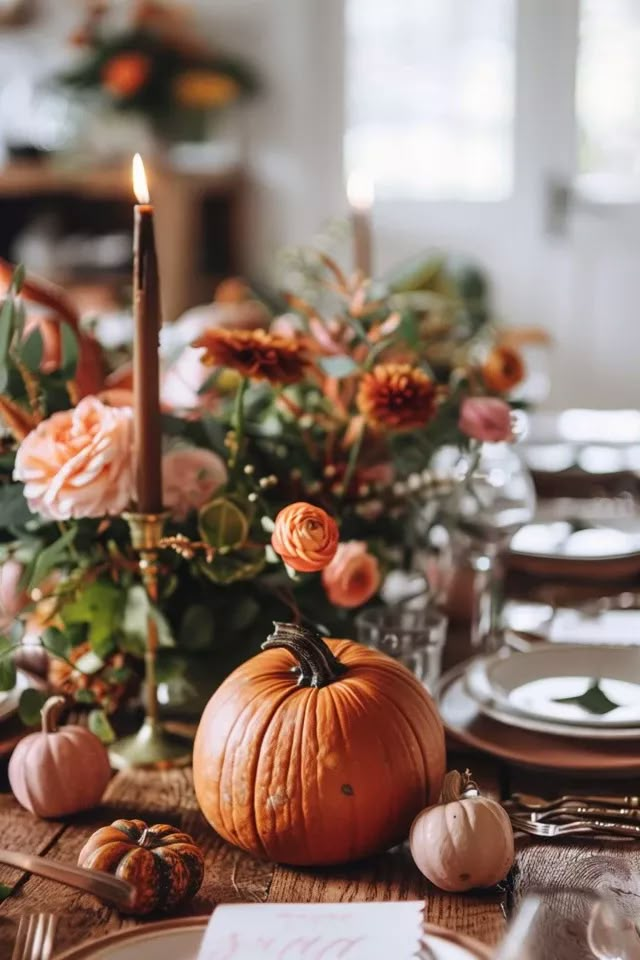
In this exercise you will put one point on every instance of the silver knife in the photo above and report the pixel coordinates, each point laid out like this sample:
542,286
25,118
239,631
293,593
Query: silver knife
102,885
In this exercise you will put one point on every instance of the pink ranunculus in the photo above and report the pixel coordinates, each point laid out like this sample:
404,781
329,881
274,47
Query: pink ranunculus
353,576
12,597
79,462
190,477
486,418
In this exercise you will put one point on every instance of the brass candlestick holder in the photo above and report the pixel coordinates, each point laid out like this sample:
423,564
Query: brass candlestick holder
152,745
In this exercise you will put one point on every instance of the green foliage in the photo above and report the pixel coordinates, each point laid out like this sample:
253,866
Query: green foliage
99,724
5,891
31,703
51,558
224,524
7,664
57,642
100,605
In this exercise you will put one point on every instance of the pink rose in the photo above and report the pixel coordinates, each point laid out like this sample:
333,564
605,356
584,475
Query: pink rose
78,463
486,418
353,576
190,477
12,597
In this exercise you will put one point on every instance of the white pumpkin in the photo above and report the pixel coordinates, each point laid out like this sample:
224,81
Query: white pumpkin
56,772
465,841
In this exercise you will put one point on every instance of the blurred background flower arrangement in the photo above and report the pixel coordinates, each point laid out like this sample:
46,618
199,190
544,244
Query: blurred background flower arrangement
298,432
155,65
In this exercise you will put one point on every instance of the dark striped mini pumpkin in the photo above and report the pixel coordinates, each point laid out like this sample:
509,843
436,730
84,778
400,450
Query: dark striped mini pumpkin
163,864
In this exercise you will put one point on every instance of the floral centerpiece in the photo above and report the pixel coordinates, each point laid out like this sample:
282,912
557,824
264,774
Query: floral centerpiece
292,477
157,66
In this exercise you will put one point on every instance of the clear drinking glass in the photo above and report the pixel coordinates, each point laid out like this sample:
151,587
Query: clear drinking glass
414,637
495,497
572,924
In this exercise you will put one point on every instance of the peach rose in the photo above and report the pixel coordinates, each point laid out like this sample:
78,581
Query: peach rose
12,597
306,537
353,576
486,418
190,477
79,462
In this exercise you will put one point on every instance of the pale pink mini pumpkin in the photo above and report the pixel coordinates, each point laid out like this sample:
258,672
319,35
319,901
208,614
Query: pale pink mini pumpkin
57,772
465,841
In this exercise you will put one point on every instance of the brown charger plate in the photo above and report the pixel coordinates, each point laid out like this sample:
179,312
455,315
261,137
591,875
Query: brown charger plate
86,950
465,723
576,568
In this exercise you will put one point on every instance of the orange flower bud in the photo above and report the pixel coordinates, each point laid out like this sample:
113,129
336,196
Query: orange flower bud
306,537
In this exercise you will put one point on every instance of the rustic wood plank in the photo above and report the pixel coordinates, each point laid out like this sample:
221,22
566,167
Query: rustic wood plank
155,797
394,876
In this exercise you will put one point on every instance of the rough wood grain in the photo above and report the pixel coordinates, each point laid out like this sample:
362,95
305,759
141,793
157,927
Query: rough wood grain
156,797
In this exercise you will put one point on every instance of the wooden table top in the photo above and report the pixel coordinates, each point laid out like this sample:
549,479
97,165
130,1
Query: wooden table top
232,875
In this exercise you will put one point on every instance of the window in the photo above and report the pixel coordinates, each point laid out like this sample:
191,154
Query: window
430,97
608,99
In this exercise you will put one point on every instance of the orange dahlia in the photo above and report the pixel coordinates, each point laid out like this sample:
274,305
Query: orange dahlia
398,396
124,74
255,353
503,369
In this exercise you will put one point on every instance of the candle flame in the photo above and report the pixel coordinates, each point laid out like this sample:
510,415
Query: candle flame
140,187
360,190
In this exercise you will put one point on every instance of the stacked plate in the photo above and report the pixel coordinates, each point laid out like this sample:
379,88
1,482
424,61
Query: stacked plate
575,706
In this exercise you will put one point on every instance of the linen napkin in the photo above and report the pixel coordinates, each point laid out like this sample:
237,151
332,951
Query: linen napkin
314,931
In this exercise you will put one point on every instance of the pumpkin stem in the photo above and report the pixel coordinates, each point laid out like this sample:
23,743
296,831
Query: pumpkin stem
50,713
317,666
458,786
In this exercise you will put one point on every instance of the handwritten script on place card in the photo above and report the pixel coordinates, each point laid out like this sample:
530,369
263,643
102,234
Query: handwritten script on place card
317,931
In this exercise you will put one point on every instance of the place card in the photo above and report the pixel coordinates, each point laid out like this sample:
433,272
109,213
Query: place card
315,931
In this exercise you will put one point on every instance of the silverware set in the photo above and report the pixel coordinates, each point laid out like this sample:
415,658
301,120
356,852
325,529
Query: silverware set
589,815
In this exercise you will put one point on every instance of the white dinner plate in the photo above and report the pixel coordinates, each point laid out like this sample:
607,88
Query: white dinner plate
533,687
181,939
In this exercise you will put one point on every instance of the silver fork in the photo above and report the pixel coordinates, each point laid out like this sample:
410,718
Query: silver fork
35,937
606,827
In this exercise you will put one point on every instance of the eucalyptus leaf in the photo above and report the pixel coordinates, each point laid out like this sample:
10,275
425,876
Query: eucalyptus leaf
51,557
100,605
223,524
31,703
14,511
17,281
89,663
338,367
7,664
56,642
70,350
5,891
99,724
7,327
31,351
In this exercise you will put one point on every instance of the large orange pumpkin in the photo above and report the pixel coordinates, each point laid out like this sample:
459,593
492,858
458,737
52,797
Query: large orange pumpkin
317,752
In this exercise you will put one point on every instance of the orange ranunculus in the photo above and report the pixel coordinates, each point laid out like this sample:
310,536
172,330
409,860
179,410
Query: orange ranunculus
503,369
254,353
353,576
397,396
205,89
306,537
125,73
78,463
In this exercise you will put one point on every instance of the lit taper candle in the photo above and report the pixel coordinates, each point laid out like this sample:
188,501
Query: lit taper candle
146,362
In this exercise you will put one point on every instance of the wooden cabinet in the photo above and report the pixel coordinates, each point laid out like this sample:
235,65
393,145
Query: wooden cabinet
198,226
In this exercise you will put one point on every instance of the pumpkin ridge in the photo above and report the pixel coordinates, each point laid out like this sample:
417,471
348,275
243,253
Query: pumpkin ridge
230,778
420,739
